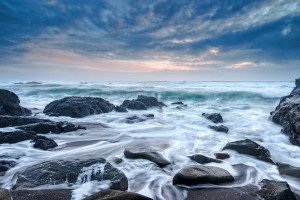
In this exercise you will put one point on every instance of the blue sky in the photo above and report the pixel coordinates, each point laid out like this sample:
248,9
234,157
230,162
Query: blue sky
149,40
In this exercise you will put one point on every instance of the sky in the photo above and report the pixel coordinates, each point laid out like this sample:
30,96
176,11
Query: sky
144,40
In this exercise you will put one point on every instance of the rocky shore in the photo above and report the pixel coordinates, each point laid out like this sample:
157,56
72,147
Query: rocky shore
80,171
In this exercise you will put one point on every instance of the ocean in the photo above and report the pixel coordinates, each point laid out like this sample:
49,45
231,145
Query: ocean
176,132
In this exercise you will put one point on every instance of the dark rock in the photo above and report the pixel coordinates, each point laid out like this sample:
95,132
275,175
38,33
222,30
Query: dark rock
4,194
289,170
287,114
41,142
33,83
59,171
197,174
55,194
178,103
149,115
220,128
142,103
10,104
6,165
203,159
147,154
251,148
117,160
53,127
16,136
120,109
214,117
78,107
6,121
272,190
116,195
134,119
222,156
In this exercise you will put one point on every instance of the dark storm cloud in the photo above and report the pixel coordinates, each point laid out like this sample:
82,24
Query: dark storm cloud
142,29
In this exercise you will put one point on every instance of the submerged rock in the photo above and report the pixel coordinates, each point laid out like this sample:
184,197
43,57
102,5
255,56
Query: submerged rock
287,114
272,190
7,121
251,148
120,109
136,119
288,170
214,117
71,171
203,159
197,174
53,127
222,156
116,195
147,154
142,103
178,103
220,128
78,107
6,165
10,104
44,143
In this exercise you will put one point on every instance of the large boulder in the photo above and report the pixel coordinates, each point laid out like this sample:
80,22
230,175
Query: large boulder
41,194
251,148
6,165
7,121
272,190
214,117
220,128
78,107
116,195
142,103
147,154
287,114
10,104
44,143
71,171
203,159
288,170
15,136
197,174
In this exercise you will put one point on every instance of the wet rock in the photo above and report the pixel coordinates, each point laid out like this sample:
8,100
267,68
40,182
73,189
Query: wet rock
44,143
134,119
220,128
120,109
78,107
116,195
6,121
222,156
149,116
10,104
214,117
178,103
4,194
147,154
55,194
6,165
251,148
272,190
15,136
73,171
287,114
142,103
197,174
289,170
51,127
203,159
33,83
117,160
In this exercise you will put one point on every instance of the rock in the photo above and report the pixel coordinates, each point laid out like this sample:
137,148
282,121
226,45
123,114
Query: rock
71,171
251,148
4,194
51,127
220,128
78,107
15,136
134,119
197,174
120,109
116,195
6,121
10,104
117,160
41,142
287,114
142,103
222,156
147,154
33,83
289,170
214,117
6,165
54,194
272,190
178,103
203,159
149,115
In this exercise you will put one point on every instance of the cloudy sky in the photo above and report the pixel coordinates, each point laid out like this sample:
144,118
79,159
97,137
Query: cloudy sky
112,40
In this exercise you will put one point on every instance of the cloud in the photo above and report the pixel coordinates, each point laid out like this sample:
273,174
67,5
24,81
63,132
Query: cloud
239,65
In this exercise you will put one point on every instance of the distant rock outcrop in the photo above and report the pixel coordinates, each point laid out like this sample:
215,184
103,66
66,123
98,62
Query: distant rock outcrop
287,114
10,104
